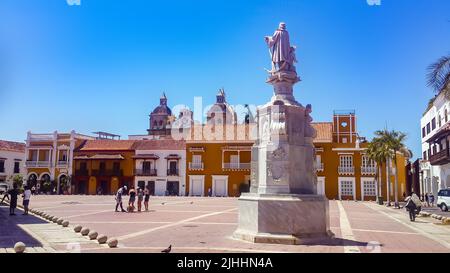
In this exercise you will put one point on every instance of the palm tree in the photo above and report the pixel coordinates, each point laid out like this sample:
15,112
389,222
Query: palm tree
395,142
379,152
439,75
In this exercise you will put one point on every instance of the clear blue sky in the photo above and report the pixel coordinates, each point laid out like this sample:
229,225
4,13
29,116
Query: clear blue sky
103,65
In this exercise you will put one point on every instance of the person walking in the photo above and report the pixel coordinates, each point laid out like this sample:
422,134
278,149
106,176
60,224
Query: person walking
209,192
413,206
26,199
431,198
13,193
427,200
146,197
132,199
119,198
140,195
38,188
33,190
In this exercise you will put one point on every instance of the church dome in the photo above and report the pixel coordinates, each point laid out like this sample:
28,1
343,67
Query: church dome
162,110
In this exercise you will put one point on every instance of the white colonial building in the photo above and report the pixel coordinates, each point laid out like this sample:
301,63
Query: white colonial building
435,130
12,161
160,165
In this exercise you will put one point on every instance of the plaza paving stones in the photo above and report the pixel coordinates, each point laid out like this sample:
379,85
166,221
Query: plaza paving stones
195,224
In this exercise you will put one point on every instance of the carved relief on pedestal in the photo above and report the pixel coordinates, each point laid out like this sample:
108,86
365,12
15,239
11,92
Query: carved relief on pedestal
276,165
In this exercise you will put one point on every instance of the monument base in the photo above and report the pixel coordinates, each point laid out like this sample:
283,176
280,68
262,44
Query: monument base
282,218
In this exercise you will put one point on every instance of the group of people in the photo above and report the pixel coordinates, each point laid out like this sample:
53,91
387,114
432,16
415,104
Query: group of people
143,195
12,196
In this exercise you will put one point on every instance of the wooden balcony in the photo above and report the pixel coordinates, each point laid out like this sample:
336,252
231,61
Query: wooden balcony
440,158
82,172
105,172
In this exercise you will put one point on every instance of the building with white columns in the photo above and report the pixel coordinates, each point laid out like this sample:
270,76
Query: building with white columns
49,158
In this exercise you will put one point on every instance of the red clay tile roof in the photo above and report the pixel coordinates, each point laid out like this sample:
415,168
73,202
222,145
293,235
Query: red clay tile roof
107,145
324,131
12,146
160,144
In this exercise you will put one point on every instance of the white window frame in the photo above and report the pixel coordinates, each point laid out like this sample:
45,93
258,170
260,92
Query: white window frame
368,179
346,160
350,179
219,177
197,177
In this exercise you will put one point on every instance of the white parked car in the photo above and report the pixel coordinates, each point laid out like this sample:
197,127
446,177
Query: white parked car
443,200
3,188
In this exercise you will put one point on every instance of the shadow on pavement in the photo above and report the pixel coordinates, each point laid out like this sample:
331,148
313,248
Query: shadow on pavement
11,232
335,242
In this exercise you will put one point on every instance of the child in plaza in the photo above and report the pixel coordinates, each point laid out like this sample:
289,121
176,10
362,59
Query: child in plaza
26,199
140,195
131,200
146,197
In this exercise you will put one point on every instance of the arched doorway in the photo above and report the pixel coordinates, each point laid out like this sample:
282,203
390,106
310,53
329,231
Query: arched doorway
45,183
64,184
32,180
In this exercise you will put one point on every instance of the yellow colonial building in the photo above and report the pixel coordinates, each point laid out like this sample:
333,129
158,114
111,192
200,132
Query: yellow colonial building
49,160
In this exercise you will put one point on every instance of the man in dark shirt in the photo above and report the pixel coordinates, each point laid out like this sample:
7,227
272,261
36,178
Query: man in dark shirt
14,192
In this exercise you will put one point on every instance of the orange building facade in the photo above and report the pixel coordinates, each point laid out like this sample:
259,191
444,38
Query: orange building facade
102,166
343,169
218,162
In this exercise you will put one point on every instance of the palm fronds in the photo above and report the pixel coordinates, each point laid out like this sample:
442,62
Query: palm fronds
439,74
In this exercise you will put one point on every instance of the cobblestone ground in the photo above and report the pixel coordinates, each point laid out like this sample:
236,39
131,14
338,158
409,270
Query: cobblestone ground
195,224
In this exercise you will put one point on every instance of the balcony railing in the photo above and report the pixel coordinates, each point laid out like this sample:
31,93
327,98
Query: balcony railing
172,172
145,172
346,170
107,172
440,158
368,170
195,165
319,167
82,172
236,166
38,164
63,163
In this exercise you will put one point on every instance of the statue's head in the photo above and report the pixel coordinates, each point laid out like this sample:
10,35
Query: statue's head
282,26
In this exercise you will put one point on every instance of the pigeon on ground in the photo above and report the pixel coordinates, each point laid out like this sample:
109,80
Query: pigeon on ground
192,202
167,250
163,203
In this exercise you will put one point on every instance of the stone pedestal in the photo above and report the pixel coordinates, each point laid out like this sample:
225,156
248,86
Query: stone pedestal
283,205
282,218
